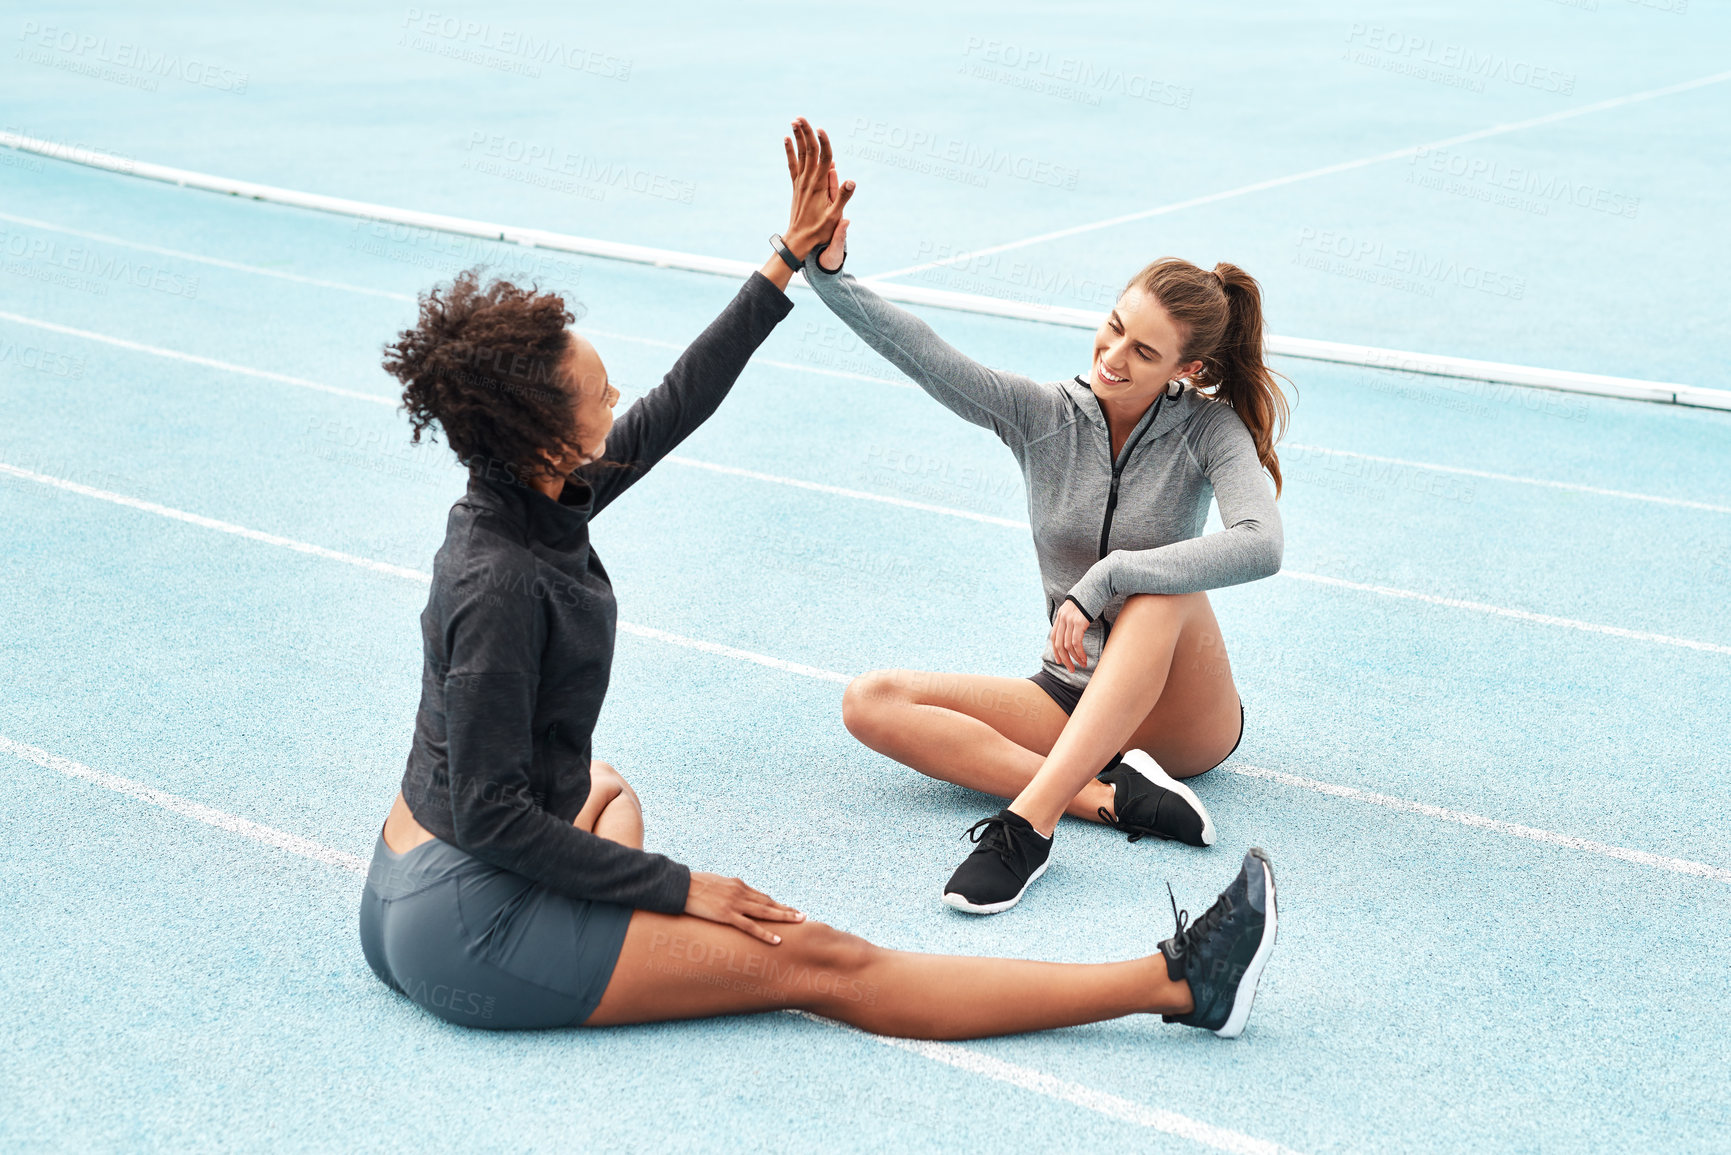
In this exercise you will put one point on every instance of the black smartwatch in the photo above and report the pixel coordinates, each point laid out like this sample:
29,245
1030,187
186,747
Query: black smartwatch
786,254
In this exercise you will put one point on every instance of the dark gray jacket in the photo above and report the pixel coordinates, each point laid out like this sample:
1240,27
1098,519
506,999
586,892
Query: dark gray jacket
518,643
1103,530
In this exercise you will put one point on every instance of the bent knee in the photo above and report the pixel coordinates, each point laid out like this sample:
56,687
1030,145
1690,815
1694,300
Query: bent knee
608,782
866,700
825,947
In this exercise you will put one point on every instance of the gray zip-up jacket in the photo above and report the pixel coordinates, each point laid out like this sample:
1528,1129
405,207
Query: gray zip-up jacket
1103,530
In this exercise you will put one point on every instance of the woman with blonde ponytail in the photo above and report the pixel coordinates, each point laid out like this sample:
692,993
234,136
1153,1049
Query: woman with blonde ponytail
1135,693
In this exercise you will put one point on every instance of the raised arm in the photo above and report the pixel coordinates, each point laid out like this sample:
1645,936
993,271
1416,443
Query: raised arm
1248,547
1016,408
691,391
705,372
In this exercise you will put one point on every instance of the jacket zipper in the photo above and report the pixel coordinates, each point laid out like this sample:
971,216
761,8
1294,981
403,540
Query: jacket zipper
1118,467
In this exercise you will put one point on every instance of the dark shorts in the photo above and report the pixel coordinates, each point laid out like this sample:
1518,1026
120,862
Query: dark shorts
1067,696
483,947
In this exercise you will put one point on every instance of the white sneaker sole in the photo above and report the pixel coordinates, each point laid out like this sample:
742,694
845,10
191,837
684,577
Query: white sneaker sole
960,902
1144,764
1246,994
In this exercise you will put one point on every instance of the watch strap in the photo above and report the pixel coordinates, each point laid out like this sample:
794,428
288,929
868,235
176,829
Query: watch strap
785,253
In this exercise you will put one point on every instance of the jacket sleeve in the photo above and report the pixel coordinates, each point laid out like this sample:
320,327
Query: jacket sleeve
1249,546
1016,408
704,374
490,690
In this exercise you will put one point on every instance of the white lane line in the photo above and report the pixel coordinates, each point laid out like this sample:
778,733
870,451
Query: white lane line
303,383
1308,174
213,523
794,365
1501,372
1297,575
194,359
1507,612
842,373
414,575
1101,1102
730,652
1571,486
298,381
218,262
1086,1097
1479,821
820,674
344,286
1334,351
1386,591
838,491
269,835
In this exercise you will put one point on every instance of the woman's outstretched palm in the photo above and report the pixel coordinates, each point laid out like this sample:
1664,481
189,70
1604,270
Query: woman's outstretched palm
818,194
832,257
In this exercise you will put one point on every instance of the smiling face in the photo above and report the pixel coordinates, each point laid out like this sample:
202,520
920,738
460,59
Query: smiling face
1136,351
592,400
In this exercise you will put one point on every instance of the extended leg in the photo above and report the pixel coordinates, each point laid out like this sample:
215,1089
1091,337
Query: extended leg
676,967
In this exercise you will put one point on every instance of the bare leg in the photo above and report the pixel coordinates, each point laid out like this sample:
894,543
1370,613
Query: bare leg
1175,698
1126,704
612,809
678,967
985,733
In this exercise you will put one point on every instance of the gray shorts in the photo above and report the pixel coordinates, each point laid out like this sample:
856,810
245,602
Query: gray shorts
483,947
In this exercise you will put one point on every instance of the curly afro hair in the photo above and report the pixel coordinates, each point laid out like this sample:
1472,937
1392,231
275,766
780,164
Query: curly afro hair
483,364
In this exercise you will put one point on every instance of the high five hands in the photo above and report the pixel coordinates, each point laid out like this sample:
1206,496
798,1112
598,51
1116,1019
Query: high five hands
819,197
815,219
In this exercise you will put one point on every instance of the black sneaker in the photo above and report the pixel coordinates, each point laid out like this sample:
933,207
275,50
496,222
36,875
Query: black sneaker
1147,801
1221,954
1010,854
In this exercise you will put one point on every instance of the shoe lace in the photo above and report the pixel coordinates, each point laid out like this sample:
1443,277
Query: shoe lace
1190,935
994,834
1120,825
1136,831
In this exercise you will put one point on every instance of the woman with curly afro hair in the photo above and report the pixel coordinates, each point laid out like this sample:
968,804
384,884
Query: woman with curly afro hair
509,887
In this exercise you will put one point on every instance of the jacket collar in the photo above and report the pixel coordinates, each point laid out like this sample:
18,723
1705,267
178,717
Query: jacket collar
561,524
1181,402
